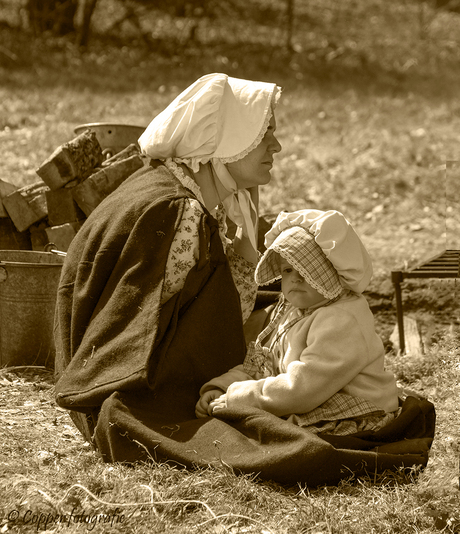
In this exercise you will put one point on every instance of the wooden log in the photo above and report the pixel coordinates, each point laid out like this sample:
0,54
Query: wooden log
130,150
412,338
72,160
62,207
90,193
38,236
5,189
27,205
62,235
11,239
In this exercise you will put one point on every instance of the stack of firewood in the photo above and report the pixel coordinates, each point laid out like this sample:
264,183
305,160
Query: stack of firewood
74,179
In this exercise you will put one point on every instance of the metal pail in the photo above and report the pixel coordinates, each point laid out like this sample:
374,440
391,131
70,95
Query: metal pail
113,137
28,289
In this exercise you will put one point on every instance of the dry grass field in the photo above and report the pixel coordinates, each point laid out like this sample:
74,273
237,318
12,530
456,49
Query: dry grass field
369,122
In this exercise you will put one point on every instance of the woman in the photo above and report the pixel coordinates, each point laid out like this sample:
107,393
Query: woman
153,294
217,138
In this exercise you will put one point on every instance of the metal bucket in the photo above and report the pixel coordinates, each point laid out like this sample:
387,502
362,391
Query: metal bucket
113,137
28,289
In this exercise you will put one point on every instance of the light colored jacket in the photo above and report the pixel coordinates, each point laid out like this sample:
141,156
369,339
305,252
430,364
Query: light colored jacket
335,349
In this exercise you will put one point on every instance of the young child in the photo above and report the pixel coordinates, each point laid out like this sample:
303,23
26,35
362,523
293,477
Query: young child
319,363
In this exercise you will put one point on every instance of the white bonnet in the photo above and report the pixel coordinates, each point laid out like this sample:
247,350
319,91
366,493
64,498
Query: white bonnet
337,239
216,117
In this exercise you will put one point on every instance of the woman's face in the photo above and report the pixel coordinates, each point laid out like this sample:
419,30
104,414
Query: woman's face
254,169
296,289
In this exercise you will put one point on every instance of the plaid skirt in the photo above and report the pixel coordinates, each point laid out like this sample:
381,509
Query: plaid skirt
342,415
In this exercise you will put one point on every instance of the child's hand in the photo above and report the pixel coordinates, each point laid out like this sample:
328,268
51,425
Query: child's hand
217,404
202,408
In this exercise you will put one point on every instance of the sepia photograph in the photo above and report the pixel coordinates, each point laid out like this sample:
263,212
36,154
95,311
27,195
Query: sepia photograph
230,266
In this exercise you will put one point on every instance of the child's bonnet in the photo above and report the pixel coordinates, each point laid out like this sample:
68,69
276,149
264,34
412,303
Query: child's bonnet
326,251
322,246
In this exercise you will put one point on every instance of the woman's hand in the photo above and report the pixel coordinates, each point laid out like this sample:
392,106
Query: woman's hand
203,408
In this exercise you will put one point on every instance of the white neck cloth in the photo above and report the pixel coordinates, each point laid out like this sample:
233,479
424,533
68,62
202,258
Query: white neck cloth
238,204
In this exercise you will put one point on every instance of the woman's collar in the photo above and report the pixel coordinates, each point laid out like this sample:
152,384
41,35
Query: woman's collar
184,178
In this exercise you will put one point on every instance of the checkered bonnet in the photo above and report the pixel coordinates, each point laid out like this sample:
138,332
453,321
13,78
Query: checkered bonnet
298,247
334,237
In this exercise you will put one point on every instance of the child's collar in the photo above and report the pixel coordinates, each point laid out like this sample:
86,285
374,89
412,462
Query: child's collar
307,311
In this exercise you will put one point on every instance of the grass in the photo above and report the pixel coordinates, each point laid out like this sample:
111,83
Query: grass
62,478
368,118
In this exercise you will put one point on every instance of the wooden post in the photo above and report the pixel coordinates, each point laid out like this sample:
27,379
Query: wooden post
290,24
84,29
397,278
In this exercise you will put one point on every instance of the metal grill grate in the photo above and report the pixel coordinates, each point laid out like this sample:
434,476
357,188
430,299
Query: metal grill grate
444,265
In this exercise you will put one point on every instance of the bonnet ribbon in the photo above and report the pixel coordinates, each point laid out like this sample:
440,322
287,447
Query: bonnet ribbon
238,204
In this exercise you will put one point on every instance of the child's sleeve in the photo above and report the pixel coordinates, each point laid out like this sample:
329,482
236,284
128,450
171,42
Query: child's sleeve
321,361
222,382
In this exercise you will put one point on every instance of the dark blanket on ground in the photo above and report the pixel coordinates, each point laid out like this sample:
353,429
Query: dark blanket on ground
254,441
130,369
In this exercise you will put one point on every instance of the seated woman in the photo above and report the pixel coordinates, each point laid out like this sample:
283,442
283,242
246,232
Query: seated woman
153,294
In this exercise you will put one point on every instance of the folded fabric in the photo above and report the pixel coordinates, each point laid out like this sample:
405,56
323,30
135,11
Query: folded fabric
254,441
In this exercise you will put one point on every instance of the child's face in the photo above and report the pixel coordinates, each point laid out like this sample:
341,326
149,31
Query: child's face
295,289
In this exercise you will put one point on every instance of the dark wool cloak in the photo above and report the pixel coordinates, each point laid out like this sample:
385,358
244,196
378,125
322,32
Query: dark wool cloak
130,370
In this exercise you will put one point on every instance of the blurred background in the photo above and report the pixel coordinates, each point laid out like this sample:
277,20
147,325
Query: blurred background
369,119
